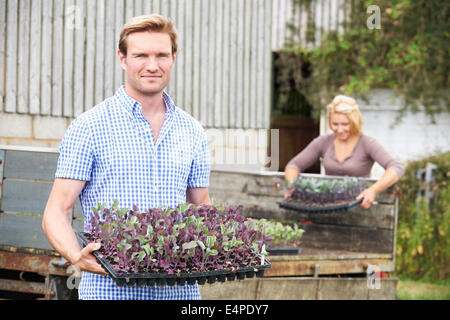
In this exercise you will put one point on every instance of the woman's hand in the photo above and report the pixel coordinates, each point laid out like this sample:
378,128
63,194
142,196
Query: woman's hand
369,196
289,191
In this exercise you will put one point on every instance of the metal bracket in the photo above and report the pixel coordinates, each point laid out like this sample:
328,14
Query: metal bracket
316,270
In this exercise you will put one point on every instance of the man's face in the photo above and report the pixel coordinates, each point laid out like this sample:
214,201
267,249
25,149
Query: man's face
148,63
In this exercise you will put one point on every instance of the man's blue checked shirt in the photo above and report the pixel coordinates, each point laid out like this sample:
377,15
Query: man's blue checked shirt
112,148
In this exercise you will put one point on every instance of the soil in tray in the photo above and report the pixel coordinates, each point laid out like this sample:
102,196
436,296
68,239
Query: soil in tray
299,205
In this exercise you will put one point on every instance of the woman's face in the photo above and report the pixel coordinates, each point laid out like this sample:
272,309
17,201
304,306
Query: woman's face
341,126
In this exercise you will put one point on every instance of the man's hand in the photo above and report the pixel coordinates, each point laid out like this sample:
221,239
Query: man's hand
87,262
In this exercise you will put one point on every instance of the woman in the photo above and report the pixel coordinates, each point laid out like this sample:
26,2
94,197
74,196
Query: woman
346,152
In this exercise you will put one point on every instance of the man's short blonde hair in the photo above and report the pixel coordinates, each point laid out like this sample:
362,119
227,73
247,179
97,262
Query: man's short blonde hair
153,23
346,105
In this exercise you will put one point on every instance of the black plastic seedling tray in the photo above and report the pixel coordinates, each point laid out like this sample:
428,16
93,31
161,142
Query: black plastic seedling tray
293,205
180,279
281,251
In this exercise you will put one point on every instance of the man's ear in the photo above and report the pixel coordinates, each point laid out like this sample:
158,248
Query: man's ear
122,59
174,55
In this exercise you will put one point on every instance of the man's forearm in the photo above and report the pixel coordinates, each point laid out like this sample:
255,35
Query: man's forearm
198,196
60,234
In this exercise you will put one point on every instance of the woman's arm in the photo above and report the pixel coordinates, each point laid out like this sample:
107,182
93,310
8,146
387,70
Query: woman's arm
302,161
394,171
389,177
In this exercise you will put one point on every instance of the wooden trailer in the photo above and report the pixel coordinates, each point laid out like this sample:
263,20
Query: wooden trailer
343,255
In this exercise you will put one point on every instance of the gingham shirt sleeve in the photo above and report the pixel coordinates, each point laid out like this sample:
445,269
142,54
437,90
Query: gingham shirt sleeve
76,153
201,164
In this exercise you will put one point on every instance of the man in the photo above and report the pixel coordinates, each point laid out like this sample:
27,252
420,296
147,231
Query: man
136,147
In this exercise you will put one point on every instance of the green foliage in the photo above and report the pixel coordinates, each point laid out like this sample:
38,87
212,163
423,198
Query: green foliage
423,235
409,54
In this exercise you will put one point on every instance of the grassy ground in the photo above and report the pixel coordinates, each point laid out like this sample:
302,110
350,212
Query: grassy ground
420,290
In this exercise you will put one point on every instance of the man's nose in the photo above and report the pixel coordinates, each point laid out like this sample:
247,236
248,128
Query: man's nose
152,64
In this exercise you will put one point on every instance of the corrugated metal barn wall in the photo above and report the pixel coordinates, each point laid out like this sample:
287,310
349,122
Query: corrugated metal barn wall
59,56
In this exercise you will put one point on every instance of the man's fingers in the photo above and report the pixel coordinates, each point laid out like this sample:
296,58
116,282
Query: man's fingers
94,246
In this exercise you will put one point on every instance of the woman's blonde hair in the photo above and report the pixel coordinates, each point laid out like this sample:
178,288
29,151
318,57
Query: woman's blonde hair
347,106
152,22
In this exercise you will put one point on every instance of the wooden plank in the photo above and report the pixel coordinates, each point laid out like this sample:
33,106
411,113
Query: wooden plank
196,61
218,96
172,14
78,76
180,59
247,63
2,163
110,52
35,57
129,9
25,196
260,68
164,8
11,56
299,288
188,57
23,55
204,63
274,186
147,7
22,231
46,58
307,267
232,106
119,21
253,66
57,59
225,64
237,114
89,82
379,216
355,239
30,165
100,52
137,8
267,85
31,260
211,88
2,51
22,286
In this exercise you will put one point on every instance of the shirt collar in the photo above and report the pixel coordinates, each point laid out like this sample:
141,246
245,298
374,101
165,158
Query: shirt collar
130,104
